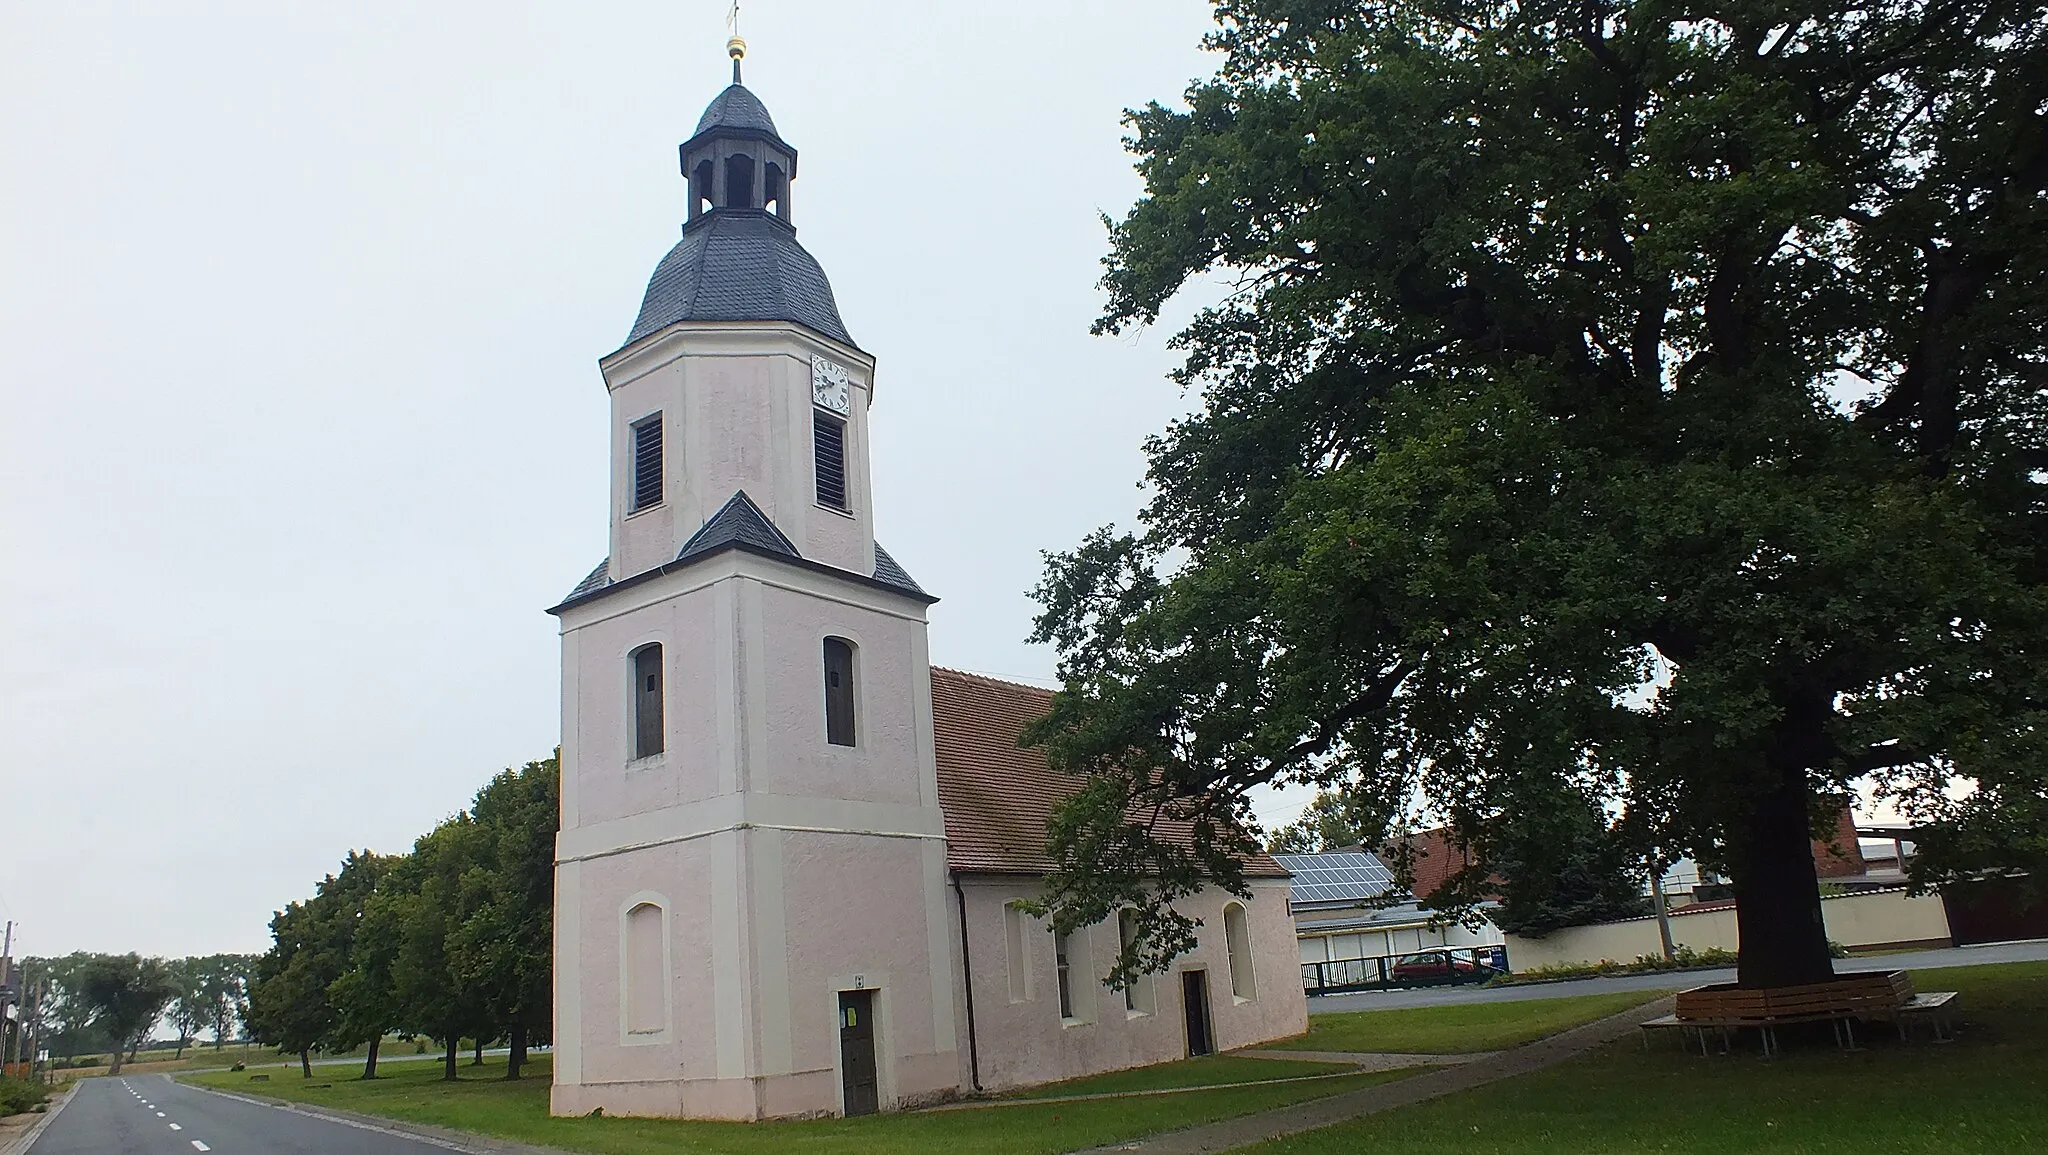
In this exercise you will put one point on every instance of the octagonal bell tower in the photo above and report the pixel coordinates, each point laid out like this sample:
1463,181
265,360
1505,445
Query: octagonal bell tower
750,905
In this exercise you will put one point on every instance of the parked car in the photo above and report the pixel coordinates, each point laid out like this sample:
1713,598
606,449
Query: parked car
1436,964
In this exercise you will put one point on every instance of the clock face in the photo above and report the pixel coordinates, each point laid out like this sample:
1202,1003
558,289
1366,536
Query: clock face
831,388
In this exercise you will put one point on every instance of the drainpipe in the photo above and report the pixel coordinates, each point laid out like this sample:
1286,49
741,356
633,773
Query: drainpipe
967,984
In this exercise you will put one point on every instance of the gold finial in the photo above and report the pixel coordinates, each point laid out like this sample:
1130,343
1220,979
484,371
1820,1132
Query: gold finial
735,47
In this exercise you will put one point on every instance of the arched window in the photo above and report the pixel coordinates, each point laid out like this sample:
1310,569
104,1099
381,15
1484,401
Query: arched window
646,971
774,190
839,692
700,188
1138,995
648,730
739,181
1062,969
1017,923
1237,940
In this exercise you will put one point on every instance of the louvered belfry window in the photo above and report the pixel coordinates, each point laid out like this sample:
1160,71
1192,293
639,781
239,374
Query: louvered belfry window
828,435
648,730
839,691
647,463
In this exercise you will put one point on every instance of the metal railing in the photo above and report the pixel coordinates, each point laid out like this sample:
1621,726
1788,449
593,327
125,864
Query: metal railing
1434,967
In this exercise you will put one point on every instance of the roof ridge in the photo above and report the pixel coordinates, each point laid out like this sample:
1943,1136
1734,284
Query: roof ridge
938,669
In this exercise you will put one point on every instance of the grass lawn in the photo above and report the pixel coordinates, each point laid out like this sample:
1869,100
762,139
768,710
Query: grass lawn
1987,1092
483,1103
1210,1070
1458,1029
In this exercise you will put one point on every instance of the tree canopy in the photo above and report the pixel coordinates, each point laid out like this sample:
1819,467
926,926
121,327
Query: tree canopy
1614,400
453,940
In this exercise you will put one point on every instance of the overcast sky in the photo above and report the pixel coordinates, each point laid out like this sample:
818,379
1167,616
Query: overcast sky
301,427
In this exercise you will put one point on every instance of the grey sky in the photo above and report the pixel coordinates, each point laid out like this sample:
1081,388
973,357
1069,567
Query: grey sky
300,421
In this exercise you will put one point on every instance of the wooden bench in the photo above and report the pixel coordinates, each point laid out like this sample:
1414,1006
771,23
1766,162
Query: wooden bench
1726,1007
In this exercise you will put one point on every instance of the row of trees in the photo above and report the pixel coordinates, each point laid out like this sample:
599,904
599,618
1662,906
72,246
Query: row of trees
453,940
87,1003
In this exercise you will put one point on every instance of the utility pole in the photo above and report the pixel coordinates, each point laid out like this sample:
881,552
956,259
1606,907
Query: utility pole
10,1029
1657,869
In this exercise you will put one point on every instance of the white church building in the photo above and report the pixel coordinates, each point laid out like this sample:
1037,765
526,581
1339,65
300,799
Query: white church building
790,848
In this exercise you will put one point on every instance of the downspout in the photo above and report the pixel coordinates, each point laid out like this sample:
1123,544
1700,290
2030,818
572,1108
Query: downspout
967,984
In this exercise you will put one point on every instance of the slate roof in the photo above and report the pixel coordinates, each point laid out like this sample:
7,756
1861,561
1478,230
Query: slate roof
739,522
596,580
998,796
739,108
889,573
739,265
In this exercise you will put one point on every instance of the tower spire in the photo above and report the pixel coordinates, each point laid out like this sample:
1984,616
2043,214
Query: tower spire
735,47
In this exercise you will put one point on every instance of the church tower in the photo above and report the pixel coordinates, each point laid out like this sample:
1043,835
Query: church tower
751,914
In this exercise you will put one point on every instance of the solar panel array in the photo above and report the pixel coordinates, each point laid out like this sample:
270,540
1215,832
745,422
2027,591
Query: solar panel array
1344,876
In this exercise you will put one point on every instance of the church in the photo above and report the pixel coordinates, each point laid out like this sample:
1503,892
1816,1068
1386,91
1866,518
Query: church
792,850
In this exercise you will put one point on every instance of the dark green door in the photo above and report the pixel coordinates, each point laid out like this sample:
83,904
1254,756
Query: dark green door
1194,997
857,1051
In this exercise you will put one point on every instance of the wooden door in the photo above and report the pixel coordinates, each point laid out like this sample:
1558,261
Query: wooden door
1194,991
857,1052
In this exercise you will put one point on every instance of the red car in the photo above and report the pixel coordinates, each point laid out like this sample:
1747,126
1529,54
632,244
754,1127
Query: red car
1432,965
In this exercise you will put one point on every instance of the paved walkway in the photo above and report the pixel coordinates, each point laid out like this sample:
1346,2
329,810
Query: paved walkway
1233,1133
2033,951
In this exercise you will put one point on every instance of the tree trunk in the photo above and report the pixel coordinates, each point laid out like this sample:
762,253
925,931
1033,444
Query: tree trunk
370,1061
516,1057
114,1064
1777,893
306,1062
478,1061
448,1059
181,1047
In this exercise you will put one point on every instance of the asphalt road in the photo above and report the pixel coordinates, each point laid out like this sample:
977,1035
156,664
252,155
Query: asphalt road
151,1115
1445,996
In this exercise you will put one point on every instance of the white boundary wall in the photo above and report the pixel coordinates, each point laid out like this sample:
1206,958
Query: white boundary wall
1868,921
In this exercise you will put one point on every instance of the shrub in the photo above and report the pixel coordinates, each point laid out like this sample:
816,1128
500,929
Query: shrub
18,1095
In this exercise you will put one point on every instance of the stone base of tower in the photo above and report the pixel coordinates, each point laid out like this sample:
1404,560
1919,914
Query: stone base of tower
929,1079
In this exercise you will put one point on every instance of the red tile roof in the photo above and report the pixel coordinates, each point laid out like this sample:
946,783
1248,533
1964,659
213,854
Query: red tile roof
1436,856
997,795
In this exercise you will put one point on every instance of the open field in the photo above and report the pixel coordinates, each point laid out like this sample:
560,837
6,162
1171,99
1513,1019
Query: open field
1986,1092
482,1102
1459,1029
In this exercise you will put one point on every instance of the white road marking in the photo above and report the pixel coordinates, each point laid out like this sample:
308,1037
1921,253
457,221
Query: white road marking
159,1114
175,1127
197,1145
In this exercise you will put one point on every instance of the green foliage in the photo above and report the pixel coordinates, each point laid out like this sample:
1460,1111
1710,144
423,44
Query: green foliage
1557,862
124,994
453,940
18,1095
1323,826
290,1005
1682,958
504,945
1647,399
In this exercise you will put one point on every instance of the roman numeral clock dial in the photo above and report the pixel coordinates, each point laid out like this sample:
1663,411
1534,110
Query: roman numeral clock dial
831,388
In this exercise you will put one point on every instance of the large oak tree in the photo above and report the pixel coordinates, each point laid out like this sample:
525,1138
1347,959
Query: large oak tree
1636,401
